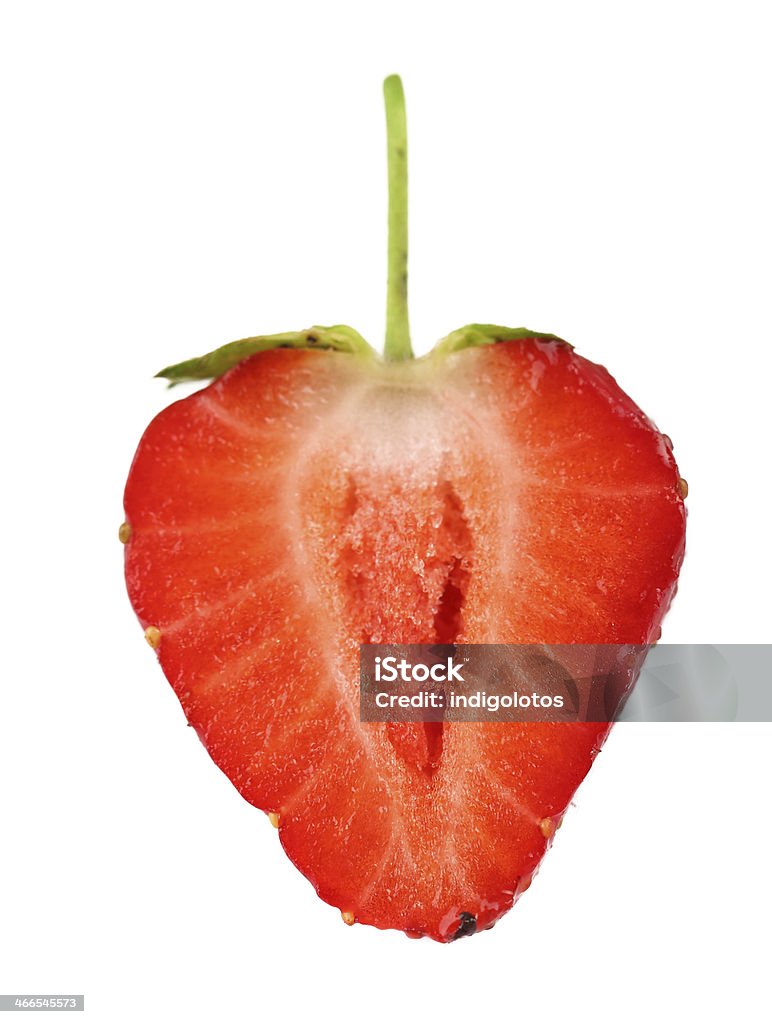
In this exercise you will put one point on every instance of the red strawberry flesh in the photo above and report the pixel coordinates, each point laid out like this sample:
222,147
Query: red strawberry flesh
307,502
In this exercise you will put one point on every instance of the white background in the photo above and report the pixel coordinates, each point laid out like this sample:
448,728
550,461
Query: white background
177,176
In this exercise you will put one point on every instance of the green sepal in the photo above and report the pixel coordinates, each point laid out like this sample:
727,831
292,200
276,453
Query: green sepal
475,335
339,338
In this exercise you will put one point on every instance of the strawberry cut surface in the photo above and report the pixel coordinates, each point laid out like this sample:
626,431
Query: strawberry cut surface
307,502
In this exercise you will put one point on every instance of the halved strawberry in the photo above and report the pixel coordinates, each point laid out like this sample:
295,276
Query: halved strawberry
502,489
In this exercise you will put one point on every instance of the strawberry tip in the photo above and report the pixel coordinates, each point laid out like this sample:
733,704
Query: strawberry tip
467,926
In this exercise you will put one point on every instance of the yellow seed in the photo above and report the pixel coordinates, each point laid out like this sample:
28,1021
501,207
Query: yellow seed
348,917
683,487
547,826
124,533
274,818
153,636
668,441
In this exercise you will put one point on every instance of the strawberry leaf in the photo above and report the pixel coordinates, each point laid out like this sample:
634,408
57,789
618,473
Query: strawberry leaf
475,335
214,364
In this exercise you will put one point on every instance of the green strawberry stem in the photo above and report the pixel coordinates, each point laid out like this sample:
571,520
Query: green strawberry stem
397,345
340,337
